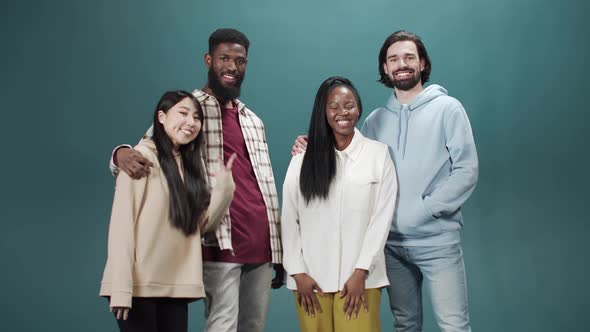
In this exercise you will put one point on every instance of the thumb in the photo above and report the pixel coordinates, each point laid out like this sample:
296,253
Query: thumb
230,161
344,291
317,287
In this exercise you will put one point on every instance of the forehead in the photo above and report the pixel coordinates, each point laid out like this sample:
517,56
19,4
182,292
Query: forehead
340,93
186,104
230,48
402,47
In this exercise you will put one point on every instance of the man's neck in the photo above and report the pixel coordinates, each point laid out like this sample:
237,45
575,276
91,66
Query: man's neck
406,96
226,105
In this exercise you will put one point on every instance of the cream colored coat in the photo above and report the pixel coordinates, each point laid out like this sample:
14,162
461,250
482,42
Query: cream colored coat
147,255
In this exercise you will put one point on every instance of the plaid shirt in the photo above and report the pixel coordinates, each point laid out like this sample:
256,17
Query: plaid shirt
253,131
255,138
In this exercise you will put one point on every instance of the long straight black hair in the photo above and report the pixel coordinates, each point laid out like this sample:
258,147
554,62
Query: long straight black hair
319,163
189,198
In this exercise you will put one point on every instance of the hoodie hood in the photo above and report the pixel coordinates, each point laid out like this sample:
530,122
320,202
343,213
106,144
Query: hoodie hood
431,92
148,143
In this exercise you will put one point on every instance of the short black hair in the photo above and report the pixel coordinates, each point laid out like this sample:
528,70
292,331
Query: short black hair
403,35
233,36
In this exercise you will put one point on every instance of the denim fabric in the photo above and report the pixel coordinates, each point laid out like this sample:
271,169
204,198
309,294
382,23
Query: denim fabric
443,270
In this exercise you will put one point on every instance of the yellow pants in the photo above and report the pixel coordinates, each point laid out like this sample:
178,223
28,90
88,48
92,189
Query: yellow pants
333,319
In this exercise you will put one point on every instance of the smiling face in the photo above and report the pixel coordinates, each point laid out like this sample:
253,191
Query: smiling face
181,123
227,68
342,113
403,65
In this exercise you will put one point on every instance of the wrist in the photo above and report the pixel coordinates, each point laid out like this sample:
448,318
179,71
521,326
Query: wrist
116,152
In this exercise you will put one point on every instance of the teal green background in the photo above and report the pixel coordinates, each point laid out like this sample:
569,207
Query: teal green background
79,77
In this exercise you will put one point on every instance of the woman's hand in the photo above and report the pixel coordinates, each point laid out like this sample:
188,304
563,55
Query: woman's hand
221,196
120,312
354,291
306,296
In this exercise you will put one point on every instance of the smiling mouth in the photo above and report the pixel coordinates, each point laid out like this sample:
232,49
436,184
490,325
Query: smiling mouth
229,77
344,122
403,74
187,132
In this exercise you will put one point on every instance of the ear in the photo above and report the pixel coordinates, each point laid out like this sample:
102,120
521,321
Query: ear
422,64
161,116
208,60
385,67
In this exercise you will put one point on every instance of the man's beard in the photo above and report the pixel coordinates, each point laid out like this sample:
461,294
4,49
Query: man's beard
406,84
224,93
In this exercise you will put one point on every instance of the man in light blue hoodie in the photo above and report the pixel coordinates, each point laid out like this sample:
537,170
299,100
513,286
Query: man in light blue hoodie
431,144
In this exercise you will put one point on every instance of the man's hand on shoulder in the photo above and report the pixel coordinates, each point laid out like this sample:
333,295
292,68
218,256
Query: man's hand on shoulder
300,145
133,163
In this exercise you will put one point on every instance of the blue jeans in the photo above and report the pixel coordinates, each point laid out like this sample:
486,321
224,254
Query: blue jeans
442,268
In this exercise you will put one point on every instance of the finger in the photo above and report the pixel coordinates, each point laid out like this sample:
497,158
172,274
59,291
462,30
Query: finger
316,303
344,292
350,308
304,302
144,161
357,307
125,313
310,305
317,288
230,161
299,298
365,304
118,311
346,304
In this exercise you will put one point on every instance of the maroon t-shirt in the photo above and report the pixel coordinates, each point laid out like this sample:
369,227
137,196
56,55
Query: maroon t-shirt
250,235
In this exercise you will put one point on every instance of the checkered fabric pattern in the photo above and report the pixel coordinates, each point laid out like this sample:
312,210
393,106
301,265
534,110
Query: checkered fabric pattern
255,138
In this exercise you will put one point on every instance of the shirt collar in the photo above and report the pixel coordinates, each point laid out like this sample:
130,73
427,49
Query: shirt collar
353,150
202,95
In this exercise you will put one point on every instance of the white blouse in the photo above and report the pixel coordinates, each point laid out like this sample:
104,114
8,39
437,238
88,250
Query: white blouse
328,239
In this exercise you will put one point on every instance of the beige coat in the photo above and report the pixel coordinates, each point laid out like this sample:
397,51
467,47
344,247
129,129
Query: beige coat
147,255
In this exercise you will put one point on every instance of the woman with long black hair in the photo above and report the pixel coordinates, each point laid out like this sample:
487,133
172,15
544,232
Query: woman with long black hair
154,265
338,204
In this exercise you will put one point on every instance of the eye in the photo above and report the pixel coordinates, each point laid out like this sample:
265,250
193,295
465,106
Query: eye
350,106
183,113
241,61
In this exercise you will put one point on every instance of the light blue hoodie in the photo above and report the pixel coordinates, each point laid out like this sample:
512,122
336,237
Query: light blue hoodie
431,144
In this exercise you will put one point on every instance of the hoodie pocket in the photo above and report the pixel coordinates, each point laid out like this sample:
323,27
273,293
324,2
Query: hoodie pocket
413,218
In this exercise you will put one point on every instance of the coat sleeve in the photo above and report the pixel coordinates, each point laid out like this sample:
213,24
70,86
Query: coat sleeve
221,197
127,204
452,193
381,216
293,261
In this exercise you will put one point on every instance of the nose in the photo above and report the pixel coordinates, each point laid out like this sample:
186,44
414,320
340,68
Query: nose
190,120
231,65
402,63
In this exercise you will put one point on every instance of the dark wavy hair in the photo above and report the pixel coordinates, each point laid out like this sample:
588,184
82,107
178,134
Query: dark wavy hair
319,163
403,35
233,36
189,198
